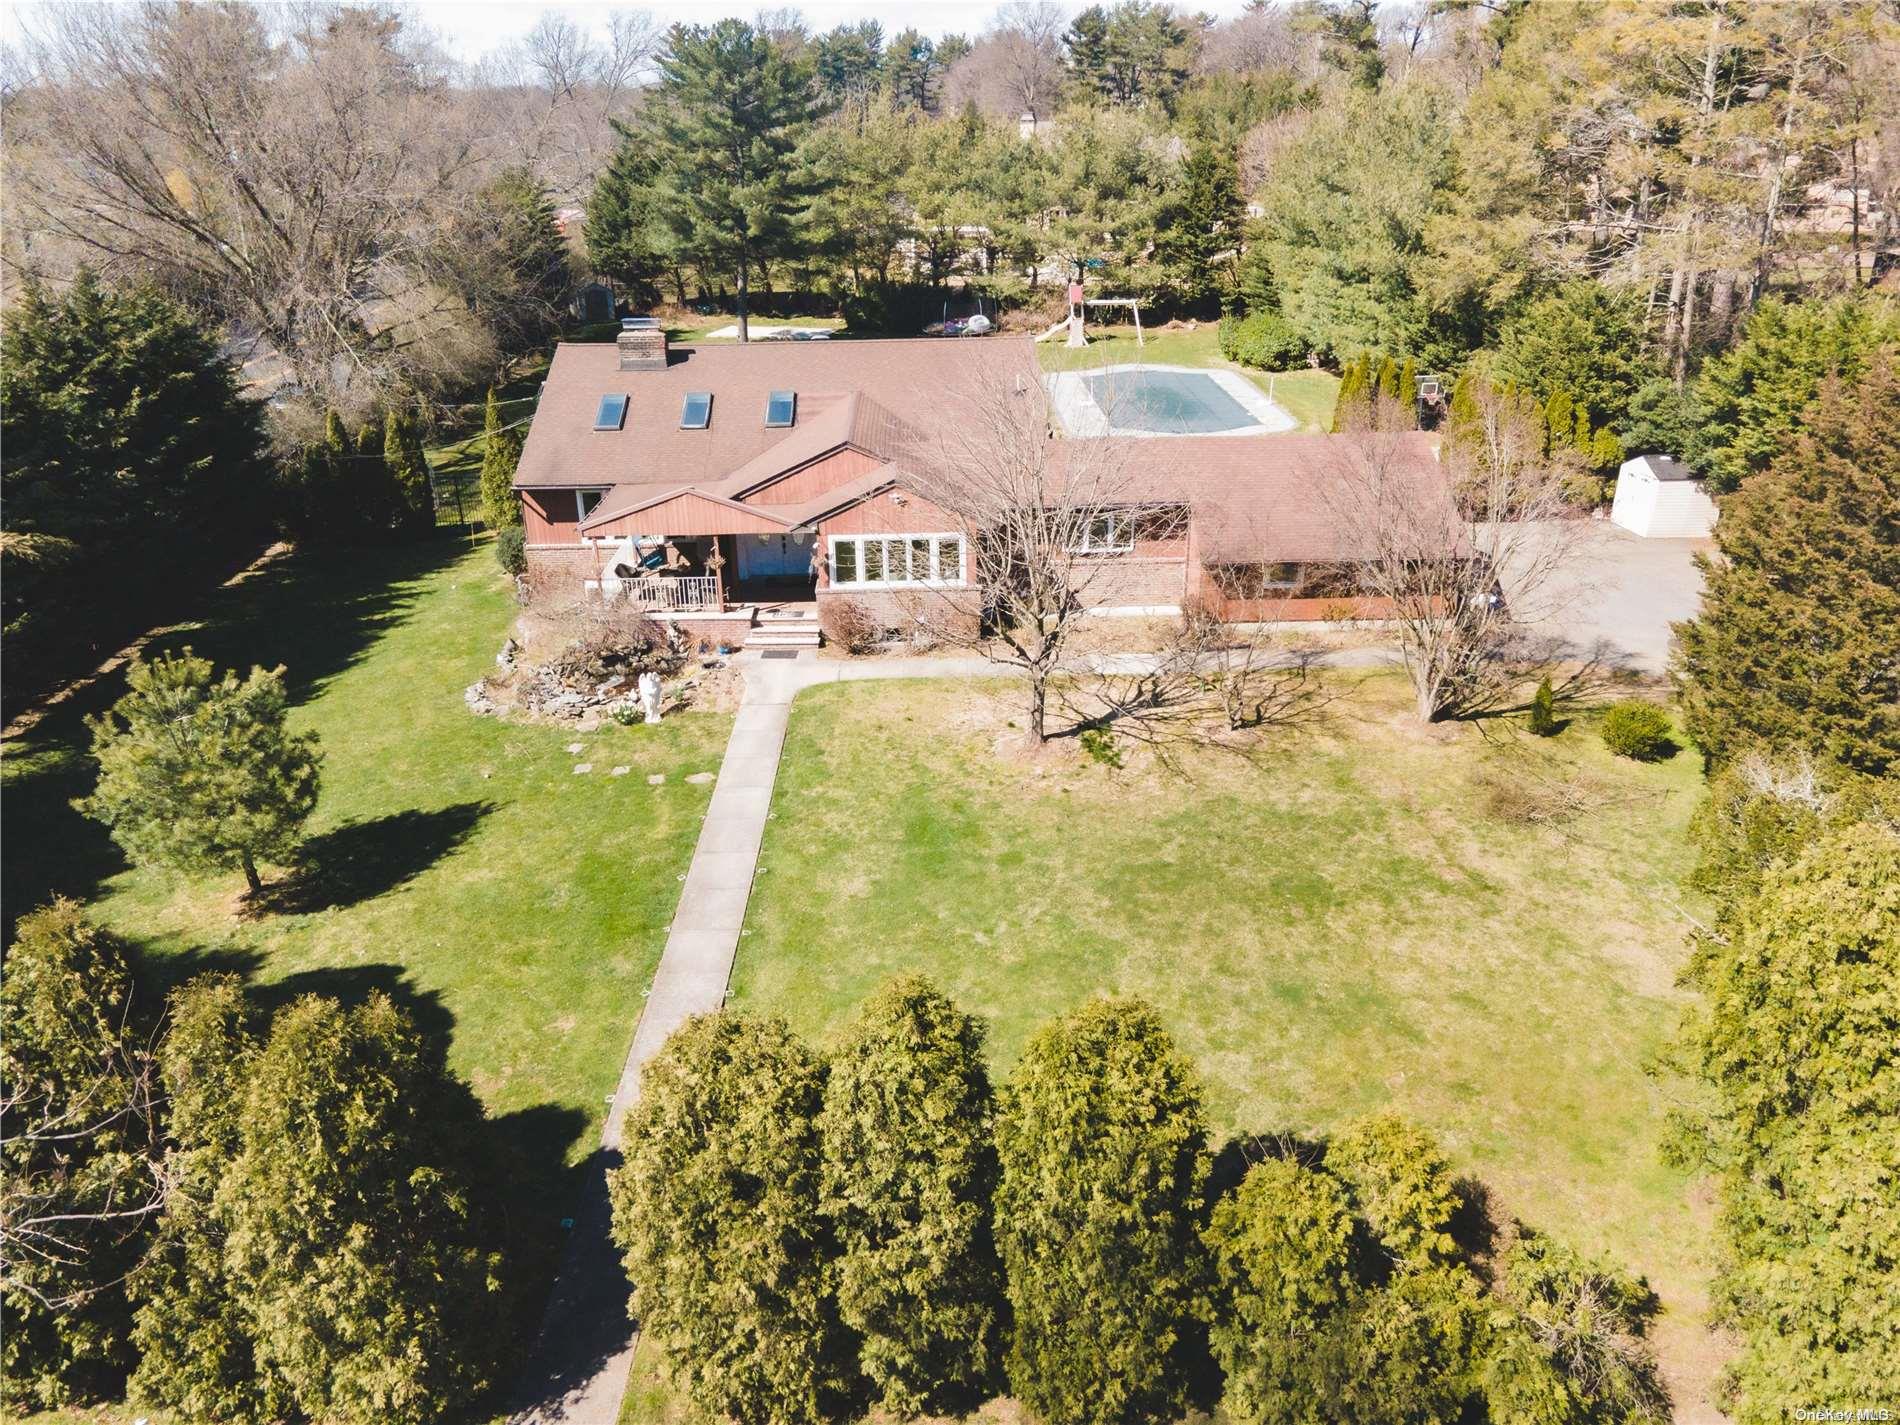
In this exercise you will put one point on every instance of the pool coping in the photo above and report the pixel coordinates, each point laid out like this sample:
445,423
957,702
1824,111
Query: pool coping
1082,416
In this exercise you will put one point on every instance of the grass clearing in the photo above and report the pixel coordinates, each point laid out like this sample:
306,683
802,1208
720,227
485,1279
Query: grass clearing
1308,395
1343,927
516,907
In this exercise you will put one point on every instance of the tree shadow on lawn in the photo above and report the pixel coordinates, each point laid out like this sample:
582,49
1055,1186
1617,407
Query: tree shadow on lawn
360,860
317,613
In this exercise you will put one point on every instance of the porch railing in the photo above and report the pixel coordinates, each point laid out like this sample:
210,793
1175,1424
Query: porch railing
666,593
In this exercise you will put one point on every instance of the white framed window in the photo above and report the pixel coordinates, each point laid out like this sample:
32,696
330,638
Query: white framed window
1110,532
584,502
863,561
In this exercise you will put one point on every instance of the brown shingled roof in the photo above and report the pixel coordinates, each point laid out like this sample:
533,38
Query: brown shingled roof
904,382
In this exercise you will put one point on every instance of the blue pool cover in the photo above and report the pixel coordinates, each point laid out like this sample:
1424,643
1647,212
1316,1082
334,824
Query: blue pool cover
1175,402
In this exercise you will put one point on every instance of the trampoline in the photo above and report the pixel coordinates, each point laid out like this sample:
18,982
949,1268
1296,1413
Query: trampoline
1164,400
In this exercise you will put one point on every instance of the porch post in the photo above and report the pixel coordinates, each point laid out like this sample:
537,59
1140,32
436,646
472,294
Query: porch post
725,562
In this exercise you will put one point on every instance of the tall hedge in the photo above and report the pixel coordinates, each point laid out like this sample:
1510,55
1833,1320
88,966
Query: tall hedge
716,1209
357,1236
1102,1140
908,1180
1283,1249
1799,1045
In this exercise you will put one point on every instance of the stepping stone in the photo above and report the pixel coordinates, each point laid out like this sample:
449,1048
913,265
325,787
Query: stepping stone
699,779
580,767
575,746
620,771
656,779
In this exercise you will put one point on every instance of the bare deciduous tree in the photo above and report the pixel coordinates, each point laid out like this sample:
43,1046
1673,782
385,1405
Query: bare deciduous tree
1016,66
1035,512
1467,567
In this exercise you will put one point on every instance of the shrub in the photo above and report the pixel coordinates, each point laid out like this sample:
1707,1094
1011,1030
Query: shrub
1098,743
1265,340
1637,730
1544,710
849,624
909,1174
1102,1142
511,550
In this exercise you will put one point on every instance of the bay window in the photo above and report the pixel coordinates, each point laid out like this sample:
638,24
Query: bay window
865,560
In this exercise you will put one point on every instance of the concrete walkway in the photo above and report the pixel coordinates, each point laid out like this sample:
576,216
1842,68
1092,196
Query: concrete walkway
577,1373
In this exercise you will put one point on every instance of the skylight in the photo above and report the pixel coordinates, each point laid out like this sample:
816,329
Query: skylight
611,413
696,414
779,408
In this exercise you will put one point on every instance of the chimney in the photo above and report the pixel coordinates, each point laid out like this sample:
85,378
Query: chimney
642,343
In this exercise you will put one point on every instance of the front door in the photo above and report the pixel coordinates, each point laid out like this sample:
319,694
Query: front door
773,556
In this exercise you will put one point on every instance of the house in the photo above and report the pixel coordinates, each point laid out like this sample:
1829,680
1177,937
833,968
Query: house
1658,497
733,488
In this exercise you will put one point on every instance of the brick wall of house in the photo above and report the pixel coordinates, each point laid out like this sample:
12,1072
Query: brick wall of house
1138,581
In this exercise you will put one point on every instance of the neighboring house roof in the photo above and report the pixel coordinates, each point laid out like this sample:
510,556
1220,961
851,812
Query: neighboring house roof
905,382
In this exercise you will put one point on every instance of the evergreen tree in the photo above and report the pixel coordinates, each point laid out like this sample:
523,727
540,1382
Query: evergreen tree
128,443
1401,1185
912,72
717,1210
909,1173
360,1243
719,131
1583,339
508,260
1582,434
196,1337
501,453
1204,222
1408,389
1798,641
1606,452
1389,379
1798,1042
408,466
79,1144
1661,420
625,242
1283,1249
1349,39
1543,719
1560,420
1754,399
1086,44
1253,279
1102,1142
199,771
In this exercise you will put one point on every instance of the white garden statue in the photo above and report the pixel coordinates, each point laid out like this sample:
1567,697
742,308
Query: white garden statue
650,695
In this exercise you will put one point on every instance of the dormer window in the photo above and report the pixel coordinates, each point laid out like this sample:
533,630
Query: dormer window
696,413
611,414
779,408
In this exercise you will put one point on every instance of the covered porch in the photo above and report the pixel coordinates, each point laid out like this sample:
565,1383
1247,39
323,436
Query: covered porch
710,573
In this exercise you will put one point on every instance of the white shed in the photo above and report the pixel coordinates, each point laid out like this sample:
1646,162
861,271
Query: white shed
1658,497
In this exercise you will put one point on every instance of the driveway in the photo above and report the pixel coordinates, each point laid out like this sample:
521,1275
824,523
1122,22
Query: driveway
1623,593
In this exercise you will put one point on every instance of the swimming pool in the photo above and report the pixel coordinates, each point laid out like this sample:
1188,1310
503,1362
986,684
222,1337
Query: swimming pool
1164,400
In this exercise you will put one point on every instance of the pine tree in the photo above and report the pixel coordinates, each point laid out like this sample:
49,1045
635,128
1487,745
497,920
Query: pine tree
501,453
360,1237
1102,1142
909,1173
624,240
80,1186
717,1210
1798,641
720,130
199,771
1087,45
1205,221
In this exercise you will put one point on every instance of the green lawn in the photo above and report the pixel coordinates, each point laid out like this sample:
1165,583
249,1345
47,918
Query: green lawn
1308,396
1343,927
517,908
